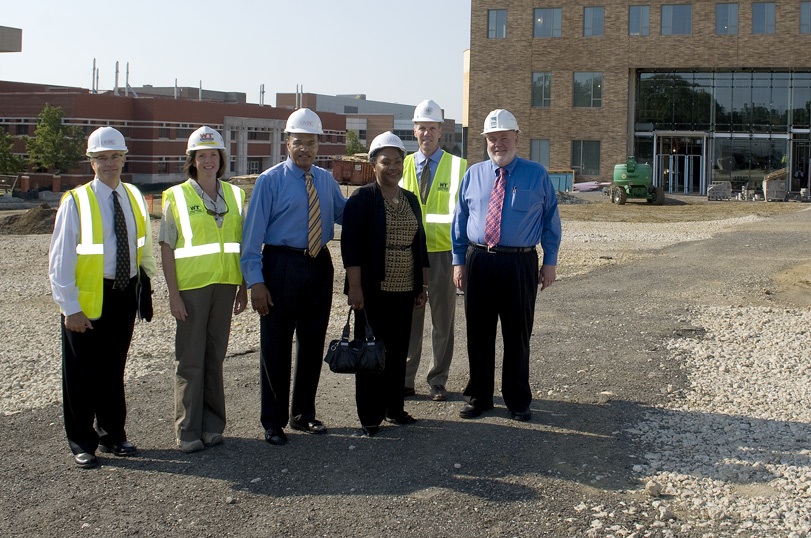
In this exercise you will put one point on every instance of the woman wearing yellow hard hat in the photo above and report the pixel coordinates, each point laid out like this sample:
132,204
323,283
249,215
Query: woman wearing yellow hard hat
200,240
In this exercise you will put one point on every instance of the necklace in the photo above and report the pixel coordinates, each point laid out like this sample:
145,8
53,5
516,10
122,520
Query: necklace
396,198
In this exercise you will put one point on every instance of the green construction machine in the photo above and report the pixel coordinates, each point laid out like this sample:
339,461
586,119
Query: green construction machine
633,180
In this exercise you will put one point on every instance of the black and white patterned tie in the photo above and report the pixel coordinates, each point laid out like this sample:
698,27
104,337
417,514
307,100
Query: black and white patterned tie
122,248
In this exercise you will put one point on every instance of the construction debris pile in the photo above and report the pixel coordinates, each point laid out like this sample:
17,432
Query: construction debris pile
39,220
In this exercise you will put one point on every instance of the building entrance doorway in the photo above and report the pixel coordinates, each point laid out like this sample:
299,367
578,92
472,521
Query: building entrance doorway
679,162
800,163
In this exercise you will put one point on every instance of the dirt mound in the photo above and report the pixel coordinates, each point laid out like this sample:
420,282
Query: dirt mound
39,220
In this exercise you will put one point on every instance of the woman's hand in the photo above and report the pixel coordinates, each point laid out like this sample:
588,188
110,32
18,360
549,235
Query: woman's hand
355,297
422,299
177,307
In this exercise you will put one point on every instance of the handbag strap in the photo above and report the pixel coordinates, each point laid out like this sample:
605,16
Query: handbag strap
370,335
345,333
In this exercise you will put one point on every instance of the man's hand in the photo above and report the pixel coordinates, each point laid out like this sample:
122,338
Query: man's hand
77,322
241,301
261,300
547,275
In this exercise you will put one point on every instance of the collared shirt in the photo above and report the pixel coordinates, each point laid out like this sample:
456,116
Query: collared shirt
529,216
432,160
278,211
63,258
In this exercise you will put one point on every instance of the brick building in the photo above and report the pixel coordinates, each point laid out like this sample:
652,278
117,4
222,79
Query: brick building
156,129
701,90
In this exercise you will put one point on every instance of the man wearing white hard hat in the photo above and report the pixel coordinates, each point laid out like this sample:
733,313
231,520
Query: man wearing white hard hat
101,246
433,175
507,206
288,268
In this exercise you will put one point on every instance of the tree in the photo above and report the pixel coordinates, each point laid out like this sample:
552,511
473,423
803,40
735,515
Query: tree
9,163
353,144
55,145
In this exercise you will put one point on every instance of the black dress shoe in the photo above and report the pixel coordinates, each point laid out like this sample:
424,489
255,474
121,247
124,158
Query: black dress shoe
472,411
313,426
521,416
369,431
276,436
122,449
403,420
85,460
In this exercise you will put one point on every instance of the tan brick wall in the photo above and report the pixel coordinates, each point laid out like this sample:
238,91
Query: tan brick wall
501,69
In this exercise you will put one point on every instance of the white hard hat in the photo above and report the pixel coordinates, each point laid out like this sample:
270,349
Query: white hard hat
105,139
205,138
500,120
385,140
304,120
428,111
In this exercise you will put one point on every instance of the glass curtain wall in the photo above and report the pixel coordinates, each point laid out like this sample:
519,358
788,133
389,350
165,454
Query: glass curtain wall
749,116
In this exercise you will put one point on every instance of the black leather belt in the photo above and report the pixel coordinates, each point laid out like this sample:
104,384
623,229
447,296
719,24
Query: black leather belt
301,251
502,250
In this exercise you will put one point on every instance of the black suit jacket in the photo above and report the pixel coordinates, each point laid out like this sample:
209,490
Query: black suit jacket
363,237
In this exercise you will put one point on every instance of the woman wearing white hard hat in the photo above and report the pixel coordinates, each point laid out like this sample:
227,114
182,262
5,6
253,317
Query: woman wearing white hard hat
384,252
200,245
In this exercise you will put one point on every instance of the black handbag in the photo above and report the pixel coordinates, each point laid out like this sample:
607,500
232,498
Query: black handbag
143,291
366,355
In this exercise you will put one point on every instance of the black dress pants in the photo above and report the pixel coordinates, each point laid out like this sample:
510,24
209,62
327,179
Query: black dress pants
500,286
93,373
301,290
381,394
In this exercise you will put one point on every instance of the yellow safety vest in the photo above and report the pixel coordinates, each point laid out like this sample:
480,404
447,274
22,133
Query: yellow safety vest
437,211
205,253
90,249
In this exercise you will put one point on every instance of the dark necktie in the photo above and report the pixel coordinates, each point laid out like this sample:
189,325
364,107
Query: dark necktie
425,180
492,225
122,248
313,218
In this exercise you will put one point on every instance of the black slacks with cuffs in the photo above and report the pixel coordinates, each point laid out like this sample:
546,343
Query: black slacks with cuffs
93,373
301,289
500,285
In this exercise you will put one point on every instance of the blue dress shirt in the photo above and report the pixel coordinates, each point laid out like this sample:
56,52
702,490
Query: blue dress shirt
278,211
529,216
432,160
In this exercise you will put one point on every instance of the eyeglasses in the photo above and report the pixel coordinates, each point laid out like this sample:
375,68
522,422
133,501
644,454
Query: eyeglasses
296,143
215,214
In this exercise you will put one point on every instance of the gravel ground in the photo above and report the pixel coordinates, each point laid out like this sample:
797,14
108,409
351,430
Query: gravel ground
670,364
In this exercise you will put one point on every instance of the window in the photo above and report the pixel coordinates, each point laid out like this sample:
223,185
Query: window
588,90
805,17
163,132
593,21
763,18
541,89
677,19
639,20
547,22
21,129
586,157
254,166
496,23
259,135
726,19
539,151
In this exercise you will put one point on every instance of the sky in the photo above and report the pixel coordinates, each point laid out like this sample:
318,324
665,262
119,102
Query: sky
393,51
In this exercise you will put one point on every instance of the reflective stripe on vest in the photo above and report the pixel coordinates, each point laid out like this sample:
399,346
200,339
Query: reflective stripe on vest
204,252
